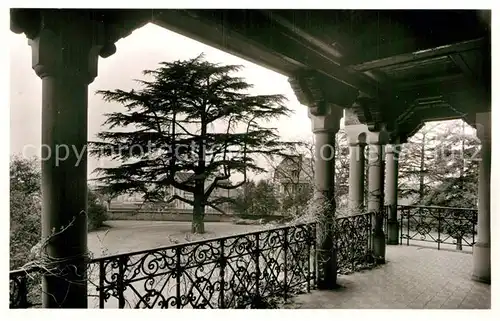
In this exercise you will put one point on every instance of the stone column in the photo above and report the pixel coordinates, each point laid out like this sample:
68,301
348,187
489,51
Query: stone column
356,135
376,141
392,152
324,127
356,177
64,55
481,254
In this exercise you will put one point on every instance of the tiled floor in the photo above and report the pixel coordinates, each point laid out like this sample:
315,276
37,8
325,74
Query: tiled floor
412,278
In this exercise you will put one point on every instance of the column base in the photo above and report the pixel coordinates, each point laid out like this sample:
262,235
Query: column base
328,279
392,232
481,263
379,247
322,285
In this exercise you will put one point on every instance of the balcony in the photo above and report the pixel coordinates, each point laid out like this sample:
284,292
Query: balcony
403,69
280,267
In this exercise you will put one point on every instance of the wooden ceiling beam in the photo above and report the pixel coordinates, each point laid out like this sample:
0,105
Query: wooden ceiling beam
253,29
189,24
420,55
329,49
411,84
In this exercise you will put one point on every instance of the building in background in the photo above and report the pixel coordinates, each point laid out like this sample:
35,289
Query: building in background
293,178
136,200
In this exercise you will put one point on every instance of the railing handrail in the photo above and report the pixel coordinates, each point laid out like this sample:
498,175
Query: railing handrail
359,214
349,260
190,243
438,207
214,239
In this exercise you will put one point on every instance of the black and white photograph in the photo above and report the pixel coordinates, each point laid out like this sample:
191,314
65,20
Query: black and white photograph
250,158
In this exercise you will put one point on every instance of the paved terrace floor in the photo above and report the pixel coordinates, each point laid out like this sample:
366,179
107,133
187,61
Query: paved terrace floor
413,278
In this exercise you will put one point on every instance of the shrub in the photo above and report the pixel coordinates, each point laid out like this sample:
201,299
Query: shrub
25,228
25,210
96,212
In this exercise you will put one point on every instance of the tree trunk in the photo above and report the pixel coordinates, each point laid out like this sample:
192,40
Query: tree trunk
198,224
422,176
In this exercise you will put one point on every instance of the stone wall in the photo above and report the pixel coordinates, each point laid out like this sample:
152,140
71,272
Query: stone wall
181,216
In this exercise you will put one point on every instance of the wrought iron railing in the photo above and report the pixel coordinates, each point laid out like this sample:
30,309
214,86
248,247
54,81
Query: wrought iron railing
386,213
441,225
25,288
354,239
224,272
230,272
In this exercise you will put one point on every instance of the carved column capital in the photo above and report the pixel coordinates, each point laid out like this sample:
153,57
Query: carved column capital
65,42
64,53
328,121
307,92
356,134
313,90
378,138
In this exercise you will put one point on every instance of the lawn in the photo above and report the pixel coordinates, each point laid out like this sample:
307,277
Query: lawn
127,236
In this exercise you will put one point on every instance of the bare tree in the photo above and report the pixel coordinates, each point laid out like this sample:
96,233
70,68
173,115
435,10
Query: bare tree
441,159
415,164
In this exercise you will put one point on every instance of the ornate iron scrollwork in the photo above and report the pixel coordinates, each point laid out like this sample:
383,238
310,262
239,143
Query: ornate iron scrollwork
238,271
441,225
231,272
24,289
353,242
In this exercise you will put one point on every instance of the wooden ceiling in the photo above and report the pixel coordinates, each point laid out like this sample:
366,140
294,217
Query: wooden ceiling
415,65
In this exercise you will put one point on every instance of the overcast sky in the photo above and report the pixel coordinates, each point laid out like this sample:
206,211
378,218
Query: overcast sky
143,49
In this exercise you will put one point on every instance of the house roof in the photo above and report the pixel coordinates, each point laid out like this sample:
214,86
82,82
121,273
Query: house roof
293,163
